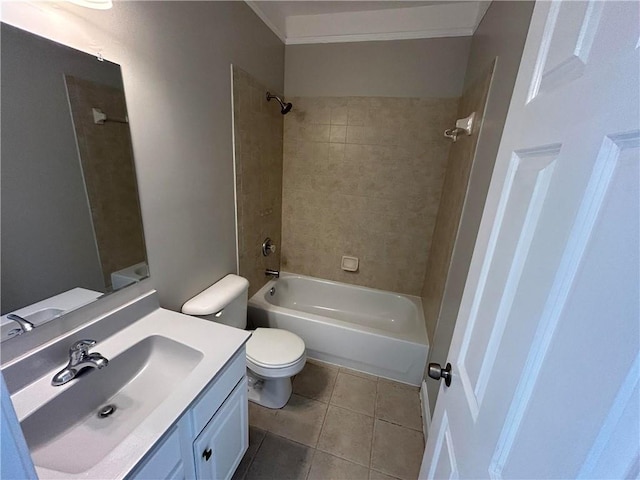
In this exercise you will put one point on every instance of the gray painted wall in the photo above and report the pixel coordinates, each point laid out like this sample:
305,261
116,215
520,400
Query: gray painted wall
501,34
48,245
175,59
433,67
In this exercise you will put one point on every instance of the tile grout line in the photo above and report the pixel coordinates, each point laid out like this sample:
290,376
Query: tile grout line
326,413
373,434
313,456
254,455
324,419
331,390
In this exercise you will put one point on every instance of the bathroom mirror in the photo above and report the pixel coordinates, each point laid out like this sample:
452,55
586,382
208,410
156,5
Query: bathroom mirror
71,223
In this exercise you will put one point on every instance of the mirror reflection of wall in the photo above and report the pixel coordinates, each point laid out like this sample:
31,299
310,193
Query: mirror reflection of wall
107,165
69,203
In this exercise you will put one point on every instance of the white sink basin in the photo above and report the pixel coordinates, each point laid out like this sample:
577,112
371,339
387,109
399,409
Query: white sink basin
156,364
157,367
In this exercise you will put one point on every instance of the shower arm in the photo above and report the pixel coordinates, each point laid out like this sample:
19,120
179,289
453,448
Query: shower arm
284,107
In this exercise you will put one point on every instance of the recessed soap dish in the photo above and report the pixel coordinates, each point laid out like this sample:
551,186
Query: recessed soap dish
350,264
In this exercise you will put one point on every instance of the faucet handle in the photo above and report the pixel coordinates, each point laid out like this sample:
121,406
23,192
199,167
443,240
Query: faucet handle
82,346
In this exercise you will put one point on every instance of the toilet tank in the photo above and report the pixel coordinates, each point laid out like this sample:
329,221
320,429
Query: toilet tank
223,302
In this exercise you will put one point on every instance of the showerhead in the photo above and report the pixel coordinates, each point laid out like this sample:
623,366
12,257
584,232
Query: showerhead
284,107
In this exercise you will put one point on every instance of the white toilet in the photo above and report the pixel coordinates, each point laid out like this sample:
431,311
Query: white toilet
273,355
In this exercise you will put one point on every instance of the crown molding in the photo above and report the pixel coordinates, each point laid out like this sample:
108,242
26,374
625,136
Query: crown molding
373,37
258,11
454,19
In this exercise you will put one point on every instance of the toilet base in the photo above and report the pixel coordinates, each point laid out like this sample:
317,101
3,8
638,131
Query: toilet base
269,392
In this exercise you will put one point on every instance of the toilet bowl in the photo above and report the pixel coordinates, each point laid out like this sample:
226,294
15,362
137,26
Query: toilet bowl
273,355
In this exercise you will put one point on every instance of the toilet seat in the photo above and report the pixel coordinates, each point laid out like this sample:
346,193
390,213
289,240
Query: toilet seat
274,353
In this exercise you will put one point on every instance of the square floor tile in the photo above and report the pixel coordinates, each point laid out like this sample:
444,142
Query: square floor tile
282,459
347,435
397,450
399,404
256,436
315,381
356,373
373,475
330,467
261,417
300,420
355,393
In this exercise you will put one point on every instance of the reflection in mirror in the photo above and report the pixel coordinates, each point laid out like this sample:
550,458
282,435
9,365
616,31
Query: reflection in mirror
71,223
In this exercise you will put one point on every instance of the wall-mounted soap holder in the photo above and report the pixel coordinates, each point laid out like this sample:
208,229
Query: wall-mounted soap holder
463,125
349,264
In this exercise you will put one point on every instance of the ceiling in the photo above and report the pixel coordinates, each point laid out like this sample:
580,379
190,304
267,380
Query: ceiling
310,21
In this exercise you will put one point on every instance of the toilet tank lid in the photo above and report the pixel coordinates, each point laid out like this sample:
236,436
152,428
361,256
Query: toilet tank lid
217,296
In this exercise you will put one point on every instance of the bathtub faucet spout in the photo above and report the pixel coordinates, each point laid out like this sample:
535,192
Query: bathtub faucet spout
273,273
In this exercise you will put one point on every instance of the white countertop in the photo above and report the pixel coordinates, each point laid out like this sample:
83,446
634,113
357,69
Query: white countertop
218,344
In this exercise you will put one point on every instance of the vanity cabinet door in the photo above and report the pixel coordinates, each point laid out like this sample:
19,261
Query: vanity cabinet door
164,462
219,448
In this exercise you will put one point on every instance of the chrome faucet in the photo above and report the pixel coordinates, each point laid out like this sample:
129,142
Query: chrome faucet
79,359
25,325
273,273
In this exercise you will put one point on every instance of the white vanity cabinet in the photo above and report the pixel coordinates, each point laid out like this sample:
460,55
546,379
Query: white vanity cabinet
219,448
210,438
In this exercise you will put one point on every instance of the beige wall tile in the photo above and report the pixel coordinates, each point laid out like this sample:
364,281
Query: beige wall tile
449,210
109,175
313,133
374,196
339,116
259,155
338,134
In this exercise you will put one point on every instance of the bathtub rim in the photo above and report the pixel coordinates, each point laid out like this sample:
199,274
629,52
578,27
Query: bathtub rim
258,300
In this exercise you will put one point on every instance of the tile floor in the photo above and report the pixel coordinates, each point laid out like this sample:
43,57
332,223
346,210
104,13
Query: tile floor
338,424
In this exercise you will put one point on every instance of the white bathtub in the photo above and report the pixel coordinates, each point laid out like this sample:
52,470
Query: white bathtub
374,331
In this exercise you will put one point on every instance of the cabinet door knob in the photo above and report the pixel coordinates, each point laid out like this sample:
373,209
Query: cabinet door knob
206,454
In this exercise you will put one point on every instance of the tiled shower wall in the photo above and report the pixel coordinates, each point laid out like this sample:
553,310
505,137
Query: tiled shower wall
363,177
456,183
109,174
258,160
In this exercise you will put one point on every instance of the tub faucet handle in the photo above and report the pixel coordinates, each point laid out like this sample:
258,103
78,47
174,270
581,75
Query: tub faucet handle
273,273
268,247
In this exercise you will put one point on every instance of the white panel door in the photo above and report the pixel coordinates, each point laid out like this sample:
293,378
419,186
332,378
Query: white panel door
545,352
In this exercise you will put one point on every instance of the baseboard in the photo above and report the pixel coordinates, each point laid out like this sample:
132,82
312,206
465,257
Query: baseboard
426,411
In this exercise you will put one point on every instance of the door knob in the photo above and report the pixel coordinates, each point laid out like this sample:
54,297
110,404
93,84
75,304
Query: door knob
437,372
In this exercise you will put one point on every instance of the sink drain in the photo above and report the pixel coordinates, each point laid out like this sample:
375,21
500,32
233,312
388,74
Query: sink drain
106,411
